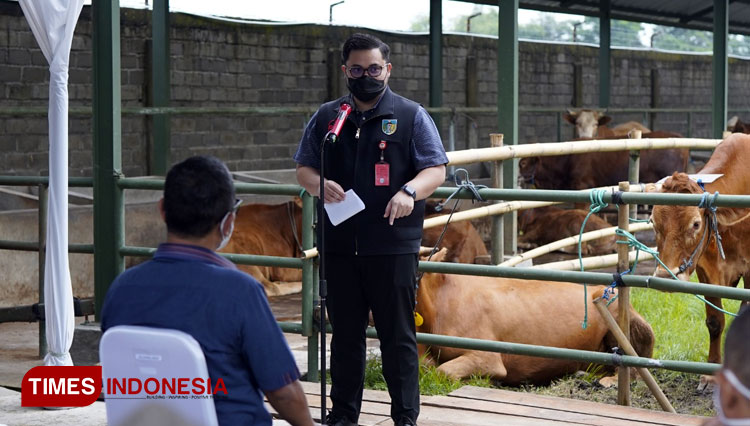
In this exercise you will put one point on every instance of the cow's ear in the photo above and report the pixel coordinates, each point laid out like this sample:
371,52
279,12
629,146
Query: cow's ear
604,120
298,202
571,116
732,123
651,187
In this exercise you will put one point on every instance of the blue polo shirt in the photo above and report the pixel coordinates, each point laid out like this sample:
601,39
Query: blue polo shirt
194,290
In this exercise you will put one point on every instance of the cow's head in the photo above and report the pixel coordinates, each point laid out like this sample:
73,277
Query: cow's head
682,233
678,229
587,121
735,125
527,216
685,232
527,171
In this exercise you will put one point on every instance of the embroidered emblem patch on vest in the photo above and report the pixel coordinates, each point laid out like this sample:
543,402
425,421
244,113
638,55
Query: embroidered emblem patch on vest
389,126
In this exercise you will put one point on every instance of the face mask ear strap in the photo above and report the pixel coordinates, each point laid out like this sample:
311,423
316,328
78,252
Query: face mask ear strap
732,378
225,238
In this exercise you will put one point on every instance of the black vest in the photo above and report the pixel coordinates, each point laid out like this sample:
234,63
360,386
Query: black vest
350,162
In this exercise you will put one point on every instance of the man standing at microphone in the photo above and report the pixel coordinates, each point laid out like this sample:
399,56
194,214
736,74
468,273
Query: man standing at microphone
390,153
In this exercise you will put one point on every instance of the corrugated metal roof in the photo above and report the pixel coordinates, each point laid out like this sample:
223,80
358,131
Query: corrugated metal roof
695,14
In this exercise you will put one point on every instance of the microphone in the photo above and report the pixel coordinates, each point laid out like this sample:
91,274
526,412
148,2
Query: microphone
333,134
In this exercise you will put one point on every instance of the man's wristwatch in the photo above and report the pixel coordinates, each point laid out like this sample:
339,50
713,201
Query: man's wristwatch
410,191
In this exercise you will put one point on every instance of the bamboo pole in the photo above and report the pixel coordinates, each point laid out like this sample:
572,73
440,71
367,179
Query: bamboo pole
309,253
510,206
628,348
569,241
634,168
623,314
497,238
578,147
590,263
490,210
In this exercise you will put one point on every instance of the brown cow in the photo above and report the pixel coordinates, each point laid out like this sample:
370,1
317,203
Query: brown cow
595,169
735,125
683,232
461,239
592,124
519,311
270,230
544,225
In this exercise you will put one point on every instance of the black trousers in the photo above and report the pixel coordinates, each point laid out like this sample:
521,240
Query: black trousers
385,285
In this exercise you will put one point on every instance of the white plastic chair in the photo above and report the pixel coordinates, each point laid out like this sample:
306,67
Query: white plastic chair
141,353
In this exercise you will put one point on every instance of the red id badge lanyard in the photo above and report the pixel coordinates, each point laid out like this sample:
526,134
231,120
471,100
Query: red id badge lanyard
382,169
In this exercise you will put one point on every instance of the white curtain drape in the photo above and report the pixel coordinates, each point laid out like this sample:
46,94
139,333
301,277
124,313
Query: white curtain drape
53,23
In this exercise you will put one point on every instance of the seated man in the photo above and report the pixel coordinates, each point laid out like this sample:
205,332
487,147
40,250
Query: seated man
732,388
188,287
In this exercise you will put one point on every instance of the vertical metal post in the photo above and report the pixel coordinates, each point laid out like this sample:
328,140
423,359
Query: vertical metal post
472,82
604,52
452,143
108,208
308,268
498,249
507,103
634,166
721,28
623,301
472,99
577,85
655,85
436,57
559,125
333,67
689,124
42,219
160,92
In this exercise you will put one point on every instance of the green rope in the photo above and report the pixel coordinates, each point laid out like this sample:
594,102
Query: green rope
596,197
633,242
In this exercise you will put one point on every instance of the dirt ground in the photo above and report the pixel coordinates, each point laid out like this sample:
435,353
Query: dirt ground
681,389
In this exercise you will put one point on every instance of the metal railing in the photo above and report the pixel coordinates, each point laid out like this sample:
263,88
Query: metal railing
307,325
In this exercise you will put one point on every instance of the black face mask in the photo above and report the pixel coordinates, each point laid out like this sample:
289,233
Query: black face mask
365,88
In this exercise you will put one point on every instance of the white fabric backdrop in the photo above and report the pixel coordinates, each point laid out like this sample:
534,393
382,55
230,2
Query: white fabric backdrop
53,23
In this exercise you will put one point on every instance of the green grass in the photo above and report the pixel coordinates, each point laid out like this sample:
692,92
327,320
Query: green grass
431,381
678,321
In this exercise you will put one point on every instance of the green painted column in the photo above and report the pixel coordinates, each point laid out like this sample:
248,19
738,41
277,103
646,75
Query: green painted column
160,90
108,208
604,53
720,68
507,105
436,57
308,297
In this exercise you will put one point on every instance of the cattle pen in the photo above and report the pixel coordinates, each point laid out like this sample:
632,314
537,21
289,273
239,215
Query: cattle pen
307,325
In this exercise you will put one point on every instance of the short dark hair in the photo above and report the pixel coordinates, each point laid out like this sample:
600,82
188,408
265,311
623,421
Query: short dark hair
737,346
360,41
198,192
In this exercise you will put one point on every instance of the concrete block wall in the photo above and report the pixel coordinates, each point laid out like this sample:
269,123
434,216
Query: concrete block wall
220,63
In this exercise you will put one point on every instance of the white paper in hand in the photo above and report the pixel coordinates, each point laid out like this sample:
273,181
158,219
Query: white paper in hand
343,210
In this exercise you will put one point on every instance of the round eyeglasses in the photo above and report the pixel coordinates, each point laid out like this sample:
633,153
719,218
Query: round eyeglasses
373,70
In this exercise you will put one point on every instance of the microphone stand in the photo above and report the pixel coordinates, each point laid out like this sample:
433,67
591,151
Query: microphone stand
323,285
330,137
